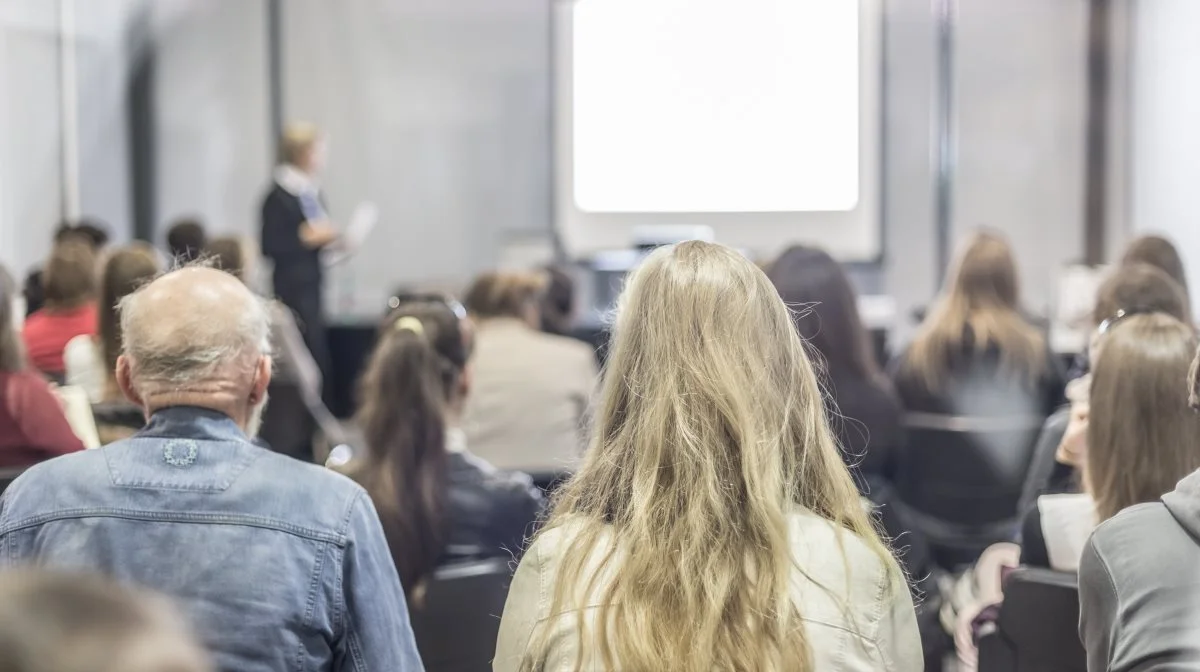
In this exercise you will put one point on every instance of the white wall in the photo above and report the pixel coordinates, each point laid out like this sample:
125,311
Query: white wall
1164,133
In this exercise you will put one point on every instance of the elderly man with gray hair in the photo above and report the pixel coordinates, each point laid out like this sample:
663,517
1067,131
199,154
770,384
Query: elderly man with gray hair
280,565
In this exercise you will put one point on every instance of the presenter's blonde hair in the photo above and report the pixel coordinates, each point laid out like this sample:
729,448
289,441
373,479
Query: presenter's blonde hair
297,141
710,431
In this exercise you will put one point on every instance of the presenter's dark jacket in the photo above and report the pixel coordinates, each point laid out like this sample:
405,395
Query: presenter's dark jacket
298,271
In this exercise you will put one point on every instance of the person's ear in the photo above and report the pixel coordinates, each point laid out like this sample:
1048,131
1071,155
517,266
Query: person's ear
125,381
262,378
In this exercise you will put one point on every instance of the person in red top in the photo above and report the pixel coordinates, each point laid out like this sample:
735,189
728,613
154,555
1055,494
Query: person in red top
32,425
70,309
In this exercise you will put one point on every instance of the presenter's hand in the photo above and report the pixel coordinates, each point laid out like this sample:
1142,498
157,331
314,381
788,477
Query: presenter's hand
317,234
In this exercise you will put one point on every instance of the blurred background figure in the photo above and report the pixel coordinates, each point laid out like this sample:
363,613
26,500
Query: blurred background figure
295,229
530,389
185,240
558,302
91,232
1160,253
91,361
32,425
438,501
59,622
69,309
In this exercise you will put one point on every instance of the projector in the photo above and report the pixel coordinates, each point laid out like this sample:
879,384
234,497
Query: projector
650,237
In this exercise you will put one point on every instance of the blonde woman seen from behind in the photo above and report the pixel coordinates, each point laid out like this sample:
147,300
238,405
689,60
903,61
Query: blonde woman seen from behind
712,524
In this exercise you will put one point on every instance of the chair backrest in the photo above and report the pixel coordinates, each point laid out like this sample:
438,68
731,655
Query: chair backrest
457,626
1038,627
965,470
1042,462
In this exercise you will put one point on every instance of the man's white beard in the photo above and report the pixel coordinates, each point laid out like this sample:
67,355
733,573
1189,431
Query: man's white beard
256,414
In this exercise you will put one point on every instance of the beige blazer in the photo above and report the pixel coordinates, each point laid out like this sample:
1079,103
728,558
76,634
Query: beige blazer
876,633
528,397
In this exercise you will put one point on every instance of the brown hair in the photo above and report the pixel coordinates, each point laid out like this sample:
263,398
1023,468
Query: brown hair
12,354
978,306
124,272
403,397
185,240
504,294
70,276
1159,253
1139,288
229,255
1142,437
63,622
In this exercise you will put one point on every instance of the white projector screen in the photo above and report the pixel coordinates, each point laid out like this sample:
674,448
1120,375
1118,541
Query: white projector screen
759,118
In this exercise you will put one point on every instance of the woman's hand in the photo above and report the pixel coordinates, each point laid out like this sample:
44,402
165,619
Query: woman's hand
318,234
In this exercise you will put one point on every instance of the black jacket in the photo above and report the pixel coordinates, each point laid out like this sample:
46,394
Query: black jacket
490,511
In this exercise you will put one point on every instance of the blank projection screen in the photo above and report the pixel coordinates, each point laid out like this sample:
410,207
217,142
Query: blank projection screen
759,118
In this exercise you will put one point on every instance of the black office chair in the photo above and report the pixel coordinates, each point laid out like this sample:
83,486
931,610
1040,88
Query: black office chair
457,626
1045,474
1038,626
959,479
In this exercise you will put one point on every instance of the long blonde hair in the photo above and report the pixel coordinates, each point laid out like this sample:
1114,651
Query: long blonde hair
1142,436
709,430
979,302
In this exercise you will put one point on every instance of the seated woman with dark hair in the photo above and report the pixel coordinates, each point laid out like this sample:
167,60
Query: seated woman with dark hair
436,500
70,307
32,425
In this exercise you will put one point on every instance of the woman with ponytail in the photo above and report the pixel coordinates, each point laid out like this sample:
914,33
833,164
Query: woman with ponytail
436,500
713,524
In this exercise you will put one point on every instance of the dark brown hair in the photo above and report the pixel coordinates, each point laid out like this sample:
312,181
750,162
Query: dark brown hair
70,276
1159,253
124,273
186,239
811,282
504,294
1139,288
229,255
1142,436
12,354
980,302
558,301
410,379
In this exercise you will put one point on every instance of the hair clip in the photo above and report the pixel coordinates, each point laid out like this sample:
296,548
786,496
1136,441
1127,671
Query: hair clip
409,323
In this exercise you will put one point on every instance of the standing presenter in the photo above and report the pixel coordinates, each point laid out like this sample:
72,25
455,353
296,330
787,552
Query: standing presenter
295,230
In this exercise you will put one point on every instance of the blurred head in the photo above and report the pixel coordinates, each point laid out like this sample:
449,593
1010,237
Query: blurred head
125,270
185,240
302,145
415,380
1142,436
1159,253
710,428
810,281
52,622
69,279
1139,288
90,231
507,294
979,305
558,302
230,254
196,337
12,354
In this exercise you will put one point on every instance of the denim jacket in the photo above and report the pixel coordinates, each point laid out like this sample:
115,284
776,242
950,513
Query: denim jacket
279,565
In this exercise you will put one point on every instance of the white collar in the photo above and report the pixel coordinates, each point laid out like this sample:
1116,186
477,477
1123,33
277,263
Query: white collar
295,181
456,440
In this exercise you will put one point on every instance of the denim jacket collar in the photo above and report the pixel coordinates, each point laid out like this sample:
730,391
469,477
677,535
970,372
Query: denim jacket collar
192,422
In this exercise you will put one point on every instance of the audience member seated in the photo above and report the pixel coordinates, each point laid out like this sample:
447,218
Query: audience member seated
88,231
1161,254
278,564
558,302
1131,289
64,622
91,362
1139,591
69,310
186,240
975,354
438,502
530,389
296,374
32,425
861,406
1140,441
713,524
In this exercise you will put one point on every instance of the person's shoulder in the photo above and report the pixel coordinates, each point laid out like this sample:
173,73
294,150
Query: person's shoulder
565,347
81,352
1133,529
53,478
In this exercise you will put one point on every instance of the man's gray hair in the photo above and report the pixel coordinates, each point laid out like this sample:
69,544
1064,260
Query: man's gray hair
182,347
